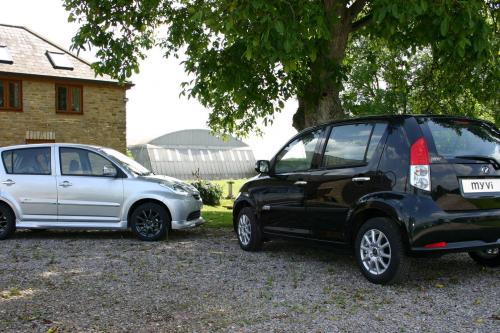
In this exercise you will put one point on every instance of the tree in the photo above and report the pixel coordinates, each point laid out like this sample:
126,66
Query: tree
248,57
392,81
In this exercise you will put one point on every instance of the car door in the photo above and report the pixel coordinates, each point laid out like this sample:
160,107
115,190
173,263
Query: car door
29,183
348,172
281,198
88,187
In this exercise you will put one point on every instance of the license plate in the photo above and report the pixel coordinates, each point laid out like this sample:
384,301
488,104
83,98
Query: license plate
491,185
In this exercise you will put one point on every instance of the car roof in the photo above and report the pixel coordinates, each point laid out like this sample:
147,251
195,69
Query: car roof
35,145
394,117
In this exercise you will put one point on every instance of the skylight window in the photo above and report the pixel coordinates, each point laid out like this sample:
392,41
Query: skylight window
5,57
59,60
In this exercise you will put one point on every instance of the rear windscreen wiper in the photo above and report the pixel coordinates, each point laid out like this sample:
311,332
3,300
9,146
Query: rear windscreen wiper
488,159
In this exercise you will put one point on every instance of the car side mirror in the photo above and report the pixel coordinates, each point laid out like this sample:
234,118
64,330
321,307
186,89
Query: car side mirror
109,171
262,166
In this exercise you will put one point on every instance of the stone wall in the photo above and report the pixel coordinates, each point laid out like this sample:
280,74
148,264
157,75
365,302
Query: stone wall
102,123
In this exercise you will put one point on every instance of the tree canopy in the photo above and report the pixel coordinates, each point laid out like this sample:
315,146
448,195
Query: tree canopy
248,57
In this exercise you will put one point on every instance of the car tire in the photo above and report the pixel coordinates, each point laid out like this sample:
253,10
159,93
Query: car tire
150,222
380,252
486,259
7,222
248,230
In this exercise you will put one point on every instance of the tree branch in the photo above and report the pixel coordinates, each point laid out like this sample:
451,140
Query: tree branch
361,22
357,7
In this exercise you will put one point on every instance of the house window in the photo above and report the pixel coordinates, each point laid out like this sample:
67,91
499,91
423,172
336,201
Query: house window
10,95
69,99
5,57
59,60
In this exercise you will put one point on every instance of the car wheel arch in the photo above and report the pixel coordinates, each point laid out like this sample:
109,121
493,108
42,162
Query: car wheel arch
237,209
361,216
143,201
9,206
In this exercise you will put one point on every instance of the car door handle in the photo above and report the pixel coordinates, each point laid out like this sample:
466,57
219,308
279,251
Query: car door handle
361,179
65,184
8,182
300,182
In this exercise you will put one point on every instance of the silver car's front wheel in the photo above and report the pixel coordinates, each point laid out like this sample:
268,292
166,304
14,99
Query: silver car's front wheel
375,251
150,221
248,230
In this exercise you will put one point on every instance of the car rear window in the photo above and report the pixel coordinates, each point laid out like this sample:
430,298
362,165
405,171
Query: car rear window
27,161
456,137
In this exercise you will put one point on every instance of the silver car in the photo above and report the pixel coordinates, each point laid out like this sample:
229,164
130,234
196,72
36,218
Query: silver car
48,186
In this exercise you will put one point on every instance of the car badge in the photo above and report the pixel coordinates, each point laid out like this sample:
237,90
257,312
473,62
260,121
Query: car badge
485,170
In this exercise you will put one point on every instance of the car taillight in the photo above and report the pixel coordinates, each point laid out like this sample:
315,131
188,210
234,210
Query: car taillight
420,171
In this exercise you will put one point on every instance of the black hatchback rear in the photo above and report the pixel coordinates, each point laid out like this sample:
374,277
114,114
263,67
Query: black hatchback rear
390,187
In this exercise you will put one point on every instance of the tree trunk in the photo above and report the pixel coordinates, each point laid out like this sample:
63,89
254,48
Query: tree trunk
319,101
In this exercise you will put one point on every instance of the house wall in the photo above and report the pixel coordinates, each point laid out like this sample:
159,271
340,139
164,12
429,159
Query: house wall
103,121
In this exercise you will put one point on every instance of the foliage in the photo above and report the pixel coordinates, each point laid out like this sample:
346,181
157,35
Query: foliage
248,57
385,80
210,193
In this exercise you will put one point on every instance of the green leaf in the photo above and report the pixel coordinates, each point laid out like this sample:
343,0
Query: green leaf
313,55
444,26
280,28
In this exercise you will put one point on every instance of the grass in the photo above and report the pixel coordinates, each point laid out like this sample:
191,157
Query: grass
220,216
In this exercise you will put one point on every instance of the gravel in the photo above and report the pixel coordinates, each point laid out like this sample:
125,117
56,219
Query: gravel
200,281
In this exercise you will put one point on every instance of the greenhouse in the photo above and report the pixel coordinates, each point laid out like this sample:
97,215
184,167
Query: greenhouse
183,153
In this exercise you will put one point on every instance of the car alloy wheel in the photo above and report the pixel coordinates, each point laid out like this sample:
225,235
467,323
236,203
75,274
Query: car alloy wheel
149,223
7,222
3,222
375,251
248,230
244,230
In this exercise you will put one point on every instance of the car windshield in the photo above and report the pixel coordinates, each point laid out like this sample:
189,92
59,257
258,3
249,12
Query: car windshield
127,162
459,138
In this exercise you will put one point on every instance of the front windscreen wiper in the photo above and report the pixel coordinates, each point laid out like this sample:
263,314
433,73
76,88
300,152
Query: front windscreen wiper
487,159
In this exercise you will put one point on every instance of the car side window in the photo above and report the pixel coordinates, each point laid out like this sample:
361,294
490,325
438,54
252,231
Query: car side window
298,155
27,161
377,134
350,145
82,162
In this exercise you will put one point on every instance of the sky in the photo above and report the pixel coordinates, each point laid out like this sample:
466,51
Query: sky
154,107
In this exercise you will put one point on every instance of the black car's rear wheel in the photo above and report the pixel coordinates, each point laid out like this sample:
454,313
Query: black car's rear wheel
380,251
489,257
7,222
248,230
150,221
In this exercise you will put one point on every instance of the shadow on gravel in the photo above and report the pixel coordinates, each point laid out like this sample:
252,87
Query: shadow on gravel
97,234
452,268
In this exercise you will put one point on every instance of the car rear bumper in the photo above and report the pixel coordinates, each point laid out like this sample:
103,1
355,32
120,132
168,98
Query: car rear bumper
456,231
459,247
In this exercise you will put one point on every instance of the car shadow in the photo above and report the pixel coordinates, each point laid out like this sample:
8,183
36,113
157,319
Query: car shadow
67,234
452,268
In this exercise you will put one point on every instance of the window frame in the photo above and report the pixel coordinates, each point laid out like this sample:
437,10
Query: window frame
51,172
317,150
6,91
118,170
69,98
356,165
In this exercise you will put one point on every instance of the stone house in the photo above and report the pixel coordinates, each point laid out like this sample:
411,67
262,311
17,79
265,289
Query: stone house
48,94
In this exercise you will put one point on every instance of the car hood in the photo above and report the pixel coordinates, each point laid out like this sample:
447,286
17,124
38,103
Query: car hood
170,181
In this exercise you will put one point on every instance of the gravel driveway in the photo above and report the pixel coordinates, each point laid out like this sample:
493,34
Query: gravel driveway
200,281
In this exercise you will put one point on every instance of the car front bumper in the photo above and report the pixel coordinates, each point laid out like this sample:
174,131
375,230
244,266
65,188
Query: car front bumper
178,225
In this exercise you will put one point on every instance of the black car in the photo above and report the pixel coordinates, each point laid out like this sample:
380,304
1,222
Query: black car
390,187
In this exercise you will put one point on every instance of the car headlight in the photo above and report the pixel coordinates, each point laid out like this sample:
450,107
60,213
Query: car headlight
177,189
